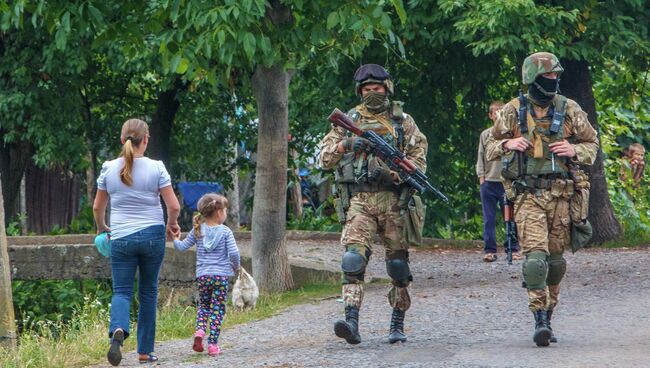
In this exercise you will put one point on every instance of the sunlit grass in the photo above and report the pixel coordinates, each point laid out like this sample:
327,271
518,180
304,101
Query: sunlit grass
84,341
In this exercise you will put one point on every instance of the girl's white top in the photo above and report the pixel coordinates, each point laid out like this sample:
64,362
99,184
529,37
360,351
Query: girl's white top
135,207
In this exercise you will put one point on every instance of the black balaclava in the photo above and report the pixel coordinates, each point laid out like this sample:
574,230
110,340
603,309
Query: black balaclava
543,90
375,101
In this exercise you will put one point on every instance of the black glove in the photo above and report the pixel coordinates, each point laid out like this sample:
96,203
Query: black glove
356,144
379,172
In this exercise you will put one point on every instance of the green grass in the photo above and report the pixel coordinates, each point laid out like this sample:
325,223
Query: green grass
626,242
84,341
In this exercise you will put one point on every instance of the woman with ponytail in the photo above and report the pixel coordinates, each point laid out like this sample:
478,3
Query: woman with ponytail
134,184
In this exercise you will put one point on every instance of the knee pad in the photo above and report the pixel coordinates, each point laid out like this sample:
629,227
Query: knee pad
399,271
535,270
353,265
556,269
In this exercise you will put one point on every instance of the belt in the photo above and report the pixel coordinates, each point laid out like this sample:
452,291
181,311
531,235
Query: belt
535,183
372,188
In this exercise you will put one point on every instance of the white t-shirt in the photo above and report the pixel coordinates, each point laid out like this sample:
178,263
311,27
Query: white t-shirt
134,207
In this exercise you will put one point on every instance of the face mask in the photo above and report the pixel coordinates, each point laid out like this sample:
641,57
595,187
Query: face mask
543,90
375,101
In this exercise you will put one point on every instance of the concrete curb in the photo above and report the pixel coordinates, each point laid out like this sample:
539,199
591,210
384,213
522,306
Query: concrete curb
239,235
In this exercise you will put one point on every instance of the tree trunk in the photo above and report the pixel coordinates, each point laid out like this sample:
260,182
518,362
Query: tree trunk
13,160
233,193
7,317
52,198
296,191
23,206
270,261
162,123
576,84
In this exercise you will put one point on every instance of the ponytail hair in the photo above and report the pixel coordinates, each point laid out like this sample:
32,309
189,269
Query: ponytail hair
133,132
197,220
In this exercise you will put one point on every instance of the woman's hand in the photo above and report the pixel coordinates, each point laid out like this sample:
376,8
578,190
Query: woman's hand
103,229
173,231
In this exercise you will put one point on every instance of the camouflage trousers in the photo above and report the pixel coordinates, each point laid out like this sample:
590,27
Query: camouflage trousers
544,225
373,214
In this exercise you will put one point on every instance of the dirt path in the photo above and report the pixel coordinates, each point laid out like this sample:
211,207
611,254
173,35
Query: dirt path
465,313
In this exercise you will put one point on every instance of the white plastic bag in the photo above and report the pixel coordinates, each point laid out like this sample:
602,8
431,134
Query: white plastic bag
245,291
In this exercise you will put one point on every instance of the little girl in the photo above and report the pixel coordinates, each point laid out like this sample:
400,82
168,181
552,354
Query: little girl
217,257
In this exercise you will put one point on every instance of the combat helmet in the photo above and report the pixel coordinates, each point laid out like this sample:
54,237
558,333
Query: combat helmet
373,73
538,64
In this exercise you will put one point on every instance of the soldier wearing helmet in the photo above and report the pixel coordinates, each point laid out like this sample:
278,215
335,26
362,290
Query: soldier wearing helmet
542,135
371,199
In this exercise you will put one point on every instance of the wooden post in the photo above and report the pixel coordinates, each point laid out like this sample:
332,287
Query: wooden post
7,317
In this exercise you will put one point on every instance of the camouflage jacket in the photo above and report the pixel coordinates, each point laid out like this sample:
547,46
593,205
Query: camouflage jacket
577,130
415,143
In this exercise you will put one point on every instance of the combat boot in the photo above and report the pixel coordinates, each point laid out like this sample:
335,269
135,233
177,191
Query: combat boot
397,327
349,329
549,313
542,333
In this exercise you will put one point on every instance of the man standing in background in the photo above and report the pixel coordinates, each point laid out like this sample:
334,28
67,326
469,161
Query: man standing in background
489,176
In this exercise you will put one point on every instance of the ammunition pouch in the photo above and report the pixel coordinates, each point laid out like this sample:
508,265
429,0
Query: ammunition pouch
341,201
510,168
581,230
344,172
413,217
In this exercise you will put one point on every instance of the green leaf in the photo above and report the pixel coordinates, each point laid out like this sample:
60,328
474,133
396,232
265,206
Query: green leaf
98,18
385,21
65,21
175,62
60,39
175,7
249,44
399,8
332,20
182,66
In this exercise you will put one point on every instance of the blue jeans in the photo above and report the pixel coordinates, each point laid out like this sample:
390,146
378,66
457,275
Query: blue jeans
143,251
491,196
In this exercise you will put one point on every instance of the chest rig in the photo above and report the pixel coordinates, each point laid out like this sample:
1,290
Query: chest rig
351,175
352,169
537,167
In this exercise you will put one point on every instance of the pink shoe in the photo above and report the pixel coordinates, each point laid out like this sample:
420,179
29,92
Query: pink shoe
198,341
213,350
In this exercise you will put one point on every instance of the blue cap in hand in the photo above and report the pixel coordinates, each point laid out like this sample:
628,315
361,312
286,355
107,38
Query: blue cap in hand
103,244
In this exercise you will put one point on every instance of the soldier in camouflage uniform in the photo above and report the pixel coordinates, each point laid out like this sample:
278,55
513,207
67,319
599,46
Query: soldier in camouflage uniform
553,134
371,199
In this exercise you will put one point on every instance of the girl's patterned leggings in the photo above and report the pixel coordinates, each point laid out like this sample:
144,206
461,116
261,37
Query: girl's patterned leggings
213,291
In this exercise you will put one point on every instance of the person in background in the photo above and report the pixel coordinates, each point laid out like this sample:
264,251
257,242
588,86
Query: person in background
217,258
489,176
633,164
134,184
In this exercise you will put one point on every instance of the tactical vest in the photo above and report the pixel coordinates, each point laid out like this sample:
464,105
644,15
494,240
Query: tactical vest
540,131
352,169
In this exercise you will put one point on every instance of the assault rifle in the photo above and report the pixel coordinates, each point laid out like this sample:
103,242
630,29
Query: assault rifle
511,230
396,160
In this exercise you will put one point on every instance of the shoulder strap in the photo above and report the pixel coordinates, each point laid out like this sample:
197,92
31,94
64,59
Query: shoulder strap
397,117
522,114
559,102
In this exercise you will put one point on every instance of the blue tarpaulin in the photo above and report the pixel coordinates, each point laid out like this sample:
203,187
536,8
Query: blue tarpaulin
193,190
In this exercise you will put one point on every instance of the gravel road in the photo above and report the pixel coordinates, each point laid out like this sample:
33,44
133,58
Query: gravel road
465,313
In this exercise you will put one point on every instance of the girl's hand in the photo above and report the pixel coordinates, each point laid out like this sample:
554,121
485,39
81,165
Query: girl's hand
173,231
